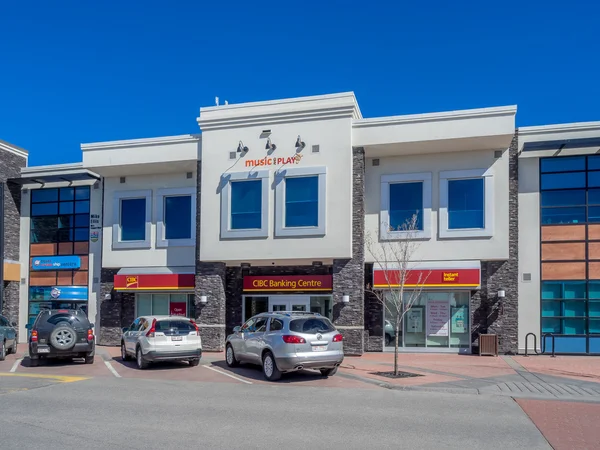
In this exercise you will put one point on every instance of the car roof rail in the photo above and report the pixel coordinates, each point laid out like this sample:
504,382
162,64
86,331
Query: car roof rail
297,313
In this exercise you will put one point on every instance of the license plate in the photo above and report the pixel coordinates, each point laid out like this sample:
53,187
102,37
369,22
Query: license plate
43,350
319,348
176,338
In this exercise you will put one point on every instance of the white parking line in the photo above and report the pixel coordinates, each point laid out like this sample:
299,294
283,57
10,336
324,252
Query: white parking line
112,369
13,369
227,374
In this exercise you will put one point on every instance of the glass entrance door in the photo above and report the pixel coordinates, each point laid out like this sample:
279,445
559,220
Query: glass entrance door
295,303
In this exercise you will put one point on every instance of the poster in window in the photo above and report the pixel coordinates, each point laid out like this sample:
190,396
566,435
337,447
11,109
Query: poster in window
437,317
414,320
177,309
458,320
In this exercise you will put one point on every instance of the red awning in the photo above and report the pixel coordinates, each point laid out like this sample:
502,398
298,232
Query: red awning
457,275
155,282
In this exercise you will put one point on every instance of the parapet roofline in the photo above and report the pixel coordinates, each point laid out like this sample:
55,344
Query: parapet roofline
141,142
279,111
559,128
54,173
437,116
7,146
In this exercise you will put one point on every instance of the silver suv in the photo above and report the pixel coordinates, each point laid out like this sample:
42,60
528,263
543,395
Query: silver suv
285,342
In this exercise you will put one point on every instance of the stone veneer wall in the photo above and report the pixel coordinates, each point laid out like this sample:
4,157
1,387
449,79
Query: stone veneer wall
489,314
116,312
373,316
349,274
11,168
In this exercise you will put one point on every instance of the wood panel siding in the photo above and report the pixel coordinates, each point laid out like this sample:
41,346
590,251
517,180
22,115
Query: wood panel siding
80,278
42,250
594,270
572,251
563,271
65,278
593,250
81,248
65,248
563,233
42,278
594,232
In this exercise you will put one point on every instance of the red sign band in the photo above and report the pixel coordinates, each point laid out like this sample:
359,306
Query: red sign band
288,283
147,282
390,278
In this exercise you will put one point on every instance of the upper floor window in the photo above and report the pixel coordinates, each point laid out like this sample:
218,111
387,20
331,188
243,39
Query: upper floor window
176,217
300,202
245,204
131,219
466,203
570,190
404,197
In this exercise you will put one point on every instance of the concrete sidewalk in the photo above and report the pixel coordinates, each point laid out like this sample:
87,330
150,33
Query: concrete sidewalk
571,378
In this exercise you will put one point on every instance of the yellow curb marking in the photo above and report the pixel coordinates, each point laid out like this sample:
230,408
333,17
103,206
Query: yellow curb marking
61,378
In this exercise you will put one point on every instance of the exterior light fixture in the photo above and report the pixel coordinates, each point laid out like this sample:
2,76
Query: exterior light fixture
299,143
203,299
501,293
270,145
242,148
346,298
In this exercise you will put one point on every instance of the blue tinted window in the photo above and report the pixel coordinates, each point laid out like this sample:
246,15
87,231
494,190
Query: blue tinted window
302,201
565,164
593,179
178,217
466,203
563,215
594,162
551,326
551,290
44,195
594,308
66,208
82,234
406,200
576,289
82,220
563,180
573,326
67,194
572,197
133,219
44,209
82,193
593,197
575,308
550,309
82,207
246,205
594,214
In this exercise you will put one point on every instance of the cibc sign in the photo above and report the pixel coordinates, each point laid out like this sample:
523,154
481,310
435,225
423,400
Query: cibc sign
296,283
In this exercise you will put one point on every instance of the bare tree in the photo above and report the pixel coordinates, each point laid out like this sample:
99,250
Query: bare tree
402,284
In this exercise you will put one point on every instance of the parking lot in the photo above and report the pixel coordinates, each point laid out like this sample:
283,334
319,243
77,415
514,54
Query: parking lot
212,369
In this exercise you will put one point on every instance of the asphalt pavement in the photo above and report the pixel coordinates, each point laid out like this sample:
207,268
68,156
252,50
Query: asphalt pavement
104,412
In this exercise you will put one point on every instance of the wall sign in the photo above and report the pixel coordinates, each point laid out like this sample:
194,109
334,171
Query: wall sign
279,161
458,320
55,263
414,320
95,222
288,283
51,293
161,282
455,278
94,236
178,309
437,317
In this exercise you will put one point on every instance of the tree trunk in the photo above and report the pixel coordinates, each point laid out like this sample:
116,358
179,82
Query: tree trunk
396,346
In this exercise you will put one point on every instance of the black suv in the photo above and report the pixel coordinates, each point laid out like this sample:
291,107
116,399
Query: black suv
61,333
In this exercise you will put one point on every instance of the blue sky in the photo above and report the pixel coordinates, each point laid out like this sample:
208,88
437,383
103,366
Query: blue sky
83,71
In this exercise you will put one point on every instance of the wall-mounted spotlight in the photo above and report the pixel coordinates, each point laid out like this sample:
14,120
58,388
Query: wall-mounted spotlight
345,298
300,143
242,148
203,299
270,145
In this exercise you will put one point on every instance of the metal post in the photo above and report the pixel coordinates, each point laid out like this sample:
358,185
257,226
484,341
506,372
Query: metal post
1,246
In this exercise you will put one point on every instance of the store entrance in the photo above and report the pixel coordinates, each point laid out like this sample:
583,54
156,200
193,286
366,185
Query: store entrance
295,303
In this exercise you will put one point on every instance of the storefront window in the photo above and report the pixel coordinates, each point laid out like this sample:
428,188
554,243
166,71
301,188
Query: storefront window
434,320
180,304
321,305
255,305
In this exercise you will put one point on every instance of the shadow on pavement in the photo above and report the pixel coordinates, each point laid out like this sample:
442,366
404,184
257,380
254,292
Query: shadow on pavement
54,362
253,372
162,365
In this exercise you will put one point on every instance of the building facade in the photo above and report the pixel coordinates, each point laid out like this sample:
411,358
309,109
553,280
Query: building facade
300,204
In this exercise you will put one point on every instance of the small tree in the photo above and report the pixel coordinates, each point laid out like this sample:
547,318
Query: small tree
396,257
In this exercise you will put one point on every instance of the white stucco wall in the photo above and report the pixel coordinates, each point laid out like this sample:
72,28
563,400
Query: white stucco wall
436,249
334,138
172,256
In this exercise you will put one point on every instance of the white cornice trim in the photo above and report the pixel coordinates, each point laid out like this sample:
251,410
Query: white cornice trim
559,128
280,111
53,168
13,149
186,138
439,116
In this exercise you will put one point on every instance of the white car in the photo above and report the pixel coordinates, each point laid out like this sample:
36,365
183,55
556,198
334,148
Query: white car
161,338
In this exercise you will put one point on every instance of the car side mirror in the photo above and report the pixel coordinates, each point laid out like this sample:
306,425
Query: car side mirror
237,329
13,324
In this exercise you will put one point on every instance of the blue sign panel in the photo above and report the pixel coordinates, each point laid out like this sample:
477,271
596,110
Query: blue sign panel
55,263
58,293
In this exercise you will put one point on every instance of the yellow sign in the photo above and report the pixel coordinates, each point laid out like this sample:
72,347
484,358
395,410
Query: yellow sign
450,277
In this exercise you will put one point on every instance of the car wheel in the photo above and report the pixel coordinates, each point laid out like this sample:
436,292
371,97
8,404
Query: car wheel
388,339
329,372
14,349
63,337
124,355
139,358
89,359
194,362
34,362
2,351
270,370
230,357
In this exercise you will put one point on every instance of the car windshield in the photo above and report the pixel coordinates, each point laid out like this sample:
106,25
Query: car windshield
63,317
179,325
311,326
